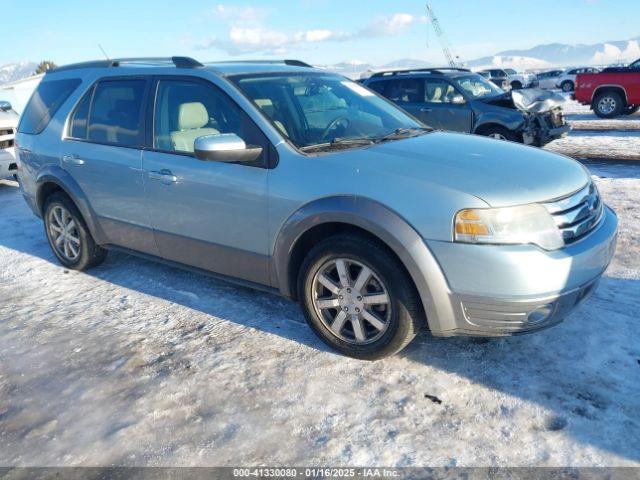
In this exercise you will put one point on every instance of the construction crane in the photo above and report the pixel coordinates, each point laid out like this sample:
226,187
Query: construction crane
451,58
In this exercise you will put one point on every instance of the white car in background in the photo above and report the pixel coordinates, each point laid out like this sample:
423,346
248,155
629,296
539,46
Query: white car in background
567,81
548,80
8,125
519,80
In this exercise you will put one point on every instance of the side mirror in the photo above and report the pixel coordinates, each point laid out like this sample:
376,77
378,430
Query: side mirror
225,147
5,106
458,100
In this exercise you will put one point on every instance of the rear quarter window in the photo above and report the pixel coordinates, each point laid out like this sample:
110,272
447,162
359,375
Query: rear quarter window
44,103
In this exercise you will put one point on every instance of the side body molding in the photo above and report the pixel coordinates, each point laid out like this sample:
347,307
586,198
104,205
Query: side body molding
386,225
57,175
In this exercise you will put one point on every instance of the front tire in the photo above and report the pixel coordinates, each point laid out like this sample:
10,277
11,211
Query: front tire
357,297
516,85
69,236
567,86
500,133
608,105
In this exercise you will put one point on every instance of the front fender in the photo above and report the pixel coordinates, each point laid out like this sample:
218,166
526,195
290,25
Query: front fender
61,178
381,222
510,119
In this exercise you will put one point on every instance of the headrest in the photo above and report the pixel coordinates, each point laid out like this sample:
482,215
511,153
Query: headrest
192,115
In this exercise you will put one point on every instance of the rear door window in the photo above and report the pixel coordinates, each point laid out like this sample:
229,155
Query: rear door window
378,87
116,115
44,103
406,90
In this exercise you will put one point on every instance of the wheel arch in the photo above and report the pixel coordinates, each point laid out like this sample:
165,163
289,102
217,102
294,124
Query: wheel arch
610,87
55,179
324,217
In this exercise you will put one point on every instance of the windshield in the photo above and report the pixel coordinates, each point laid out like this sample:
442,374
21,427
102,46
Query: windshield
476,86
510,71
314,109
635,64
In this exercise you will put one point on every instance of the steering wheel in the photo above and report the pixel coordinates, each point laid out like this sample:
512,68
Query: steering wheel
334,123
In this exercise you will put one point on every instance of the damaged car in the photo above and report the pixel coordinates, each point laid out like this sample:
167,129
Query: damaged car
459,100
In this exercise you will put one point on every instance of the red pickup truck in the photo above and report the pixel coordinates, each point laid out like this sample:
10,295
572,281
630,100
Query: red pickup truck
614,91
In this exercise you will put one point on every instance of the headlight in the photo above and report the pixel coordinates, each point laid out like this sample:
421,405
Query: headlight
512,225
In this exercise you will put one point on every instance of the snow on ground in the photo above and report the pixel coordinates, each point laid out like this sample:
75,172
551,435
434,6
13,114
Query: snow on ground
597,145
595,138
136,363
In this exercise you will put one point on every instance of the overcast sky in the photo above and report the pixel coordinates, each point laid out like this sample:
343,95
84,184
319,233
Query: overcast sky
318,31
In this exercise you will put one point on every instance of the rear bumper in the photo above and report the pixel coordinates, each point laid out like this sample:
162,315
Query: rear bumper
512,289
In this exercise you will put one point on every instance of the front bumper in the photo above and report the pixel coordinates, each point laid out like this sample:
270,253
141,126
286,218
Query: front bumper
8,163
511,289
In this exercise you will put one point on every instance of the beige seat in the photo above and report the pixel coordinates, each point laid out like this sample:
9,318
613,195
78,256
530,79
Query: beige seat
437,95
266,105
192,118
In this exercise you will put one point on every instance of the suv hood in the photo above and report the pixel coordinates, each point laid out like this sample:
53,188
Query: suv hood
531,100
500,173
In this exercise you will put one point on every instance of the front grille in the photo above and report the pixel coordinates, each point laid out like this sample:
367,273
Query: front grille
6,142
578,214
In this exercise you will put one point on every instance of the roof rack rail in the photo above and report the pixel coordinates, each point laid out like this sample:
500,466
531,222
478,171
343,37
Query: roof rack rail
439,70
290,62
179,62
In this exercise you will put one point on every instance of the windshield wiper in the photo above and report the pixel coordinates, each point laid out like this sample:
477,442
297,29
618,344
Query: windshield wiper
339,143
403,133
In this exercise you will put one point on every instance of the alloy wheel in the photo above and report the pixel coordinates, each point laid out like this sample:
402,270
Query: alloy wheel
607,105
64,233
351,301
497,136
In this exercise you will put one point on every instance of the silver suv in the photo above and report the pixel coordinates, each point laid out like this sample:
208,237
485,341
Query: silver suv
295,180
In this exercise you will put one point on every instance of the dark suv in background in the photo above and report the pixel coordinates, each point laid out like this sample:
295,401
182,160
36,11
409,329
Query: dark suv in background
459,100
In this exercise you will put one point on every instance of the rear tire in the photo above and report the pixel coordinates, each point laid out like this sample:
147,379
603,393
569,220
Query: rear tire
567,86
608,105
358,326
500,133
68,235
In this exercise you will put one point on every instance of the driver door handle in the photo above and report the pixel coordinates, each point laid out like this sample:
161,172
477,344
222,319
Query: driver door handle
425,109
72,160
165,176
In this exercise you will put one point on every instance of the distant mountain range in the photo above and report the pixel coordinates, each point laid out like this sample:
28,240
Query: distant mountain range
538,57
560,54
16,71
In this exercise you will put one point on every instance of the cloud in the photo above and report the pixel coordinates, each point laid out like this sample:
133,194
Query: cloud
247,35
612,54
237,14
393,25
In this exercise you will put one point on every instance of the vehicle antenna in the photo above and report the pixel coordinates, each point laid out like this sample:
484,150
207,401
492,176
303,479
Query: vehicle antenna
103,52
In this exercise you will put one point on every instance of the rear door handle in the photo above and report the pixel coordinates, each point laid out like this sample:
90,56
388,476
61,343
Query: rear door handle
72,160
165,176
425,109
